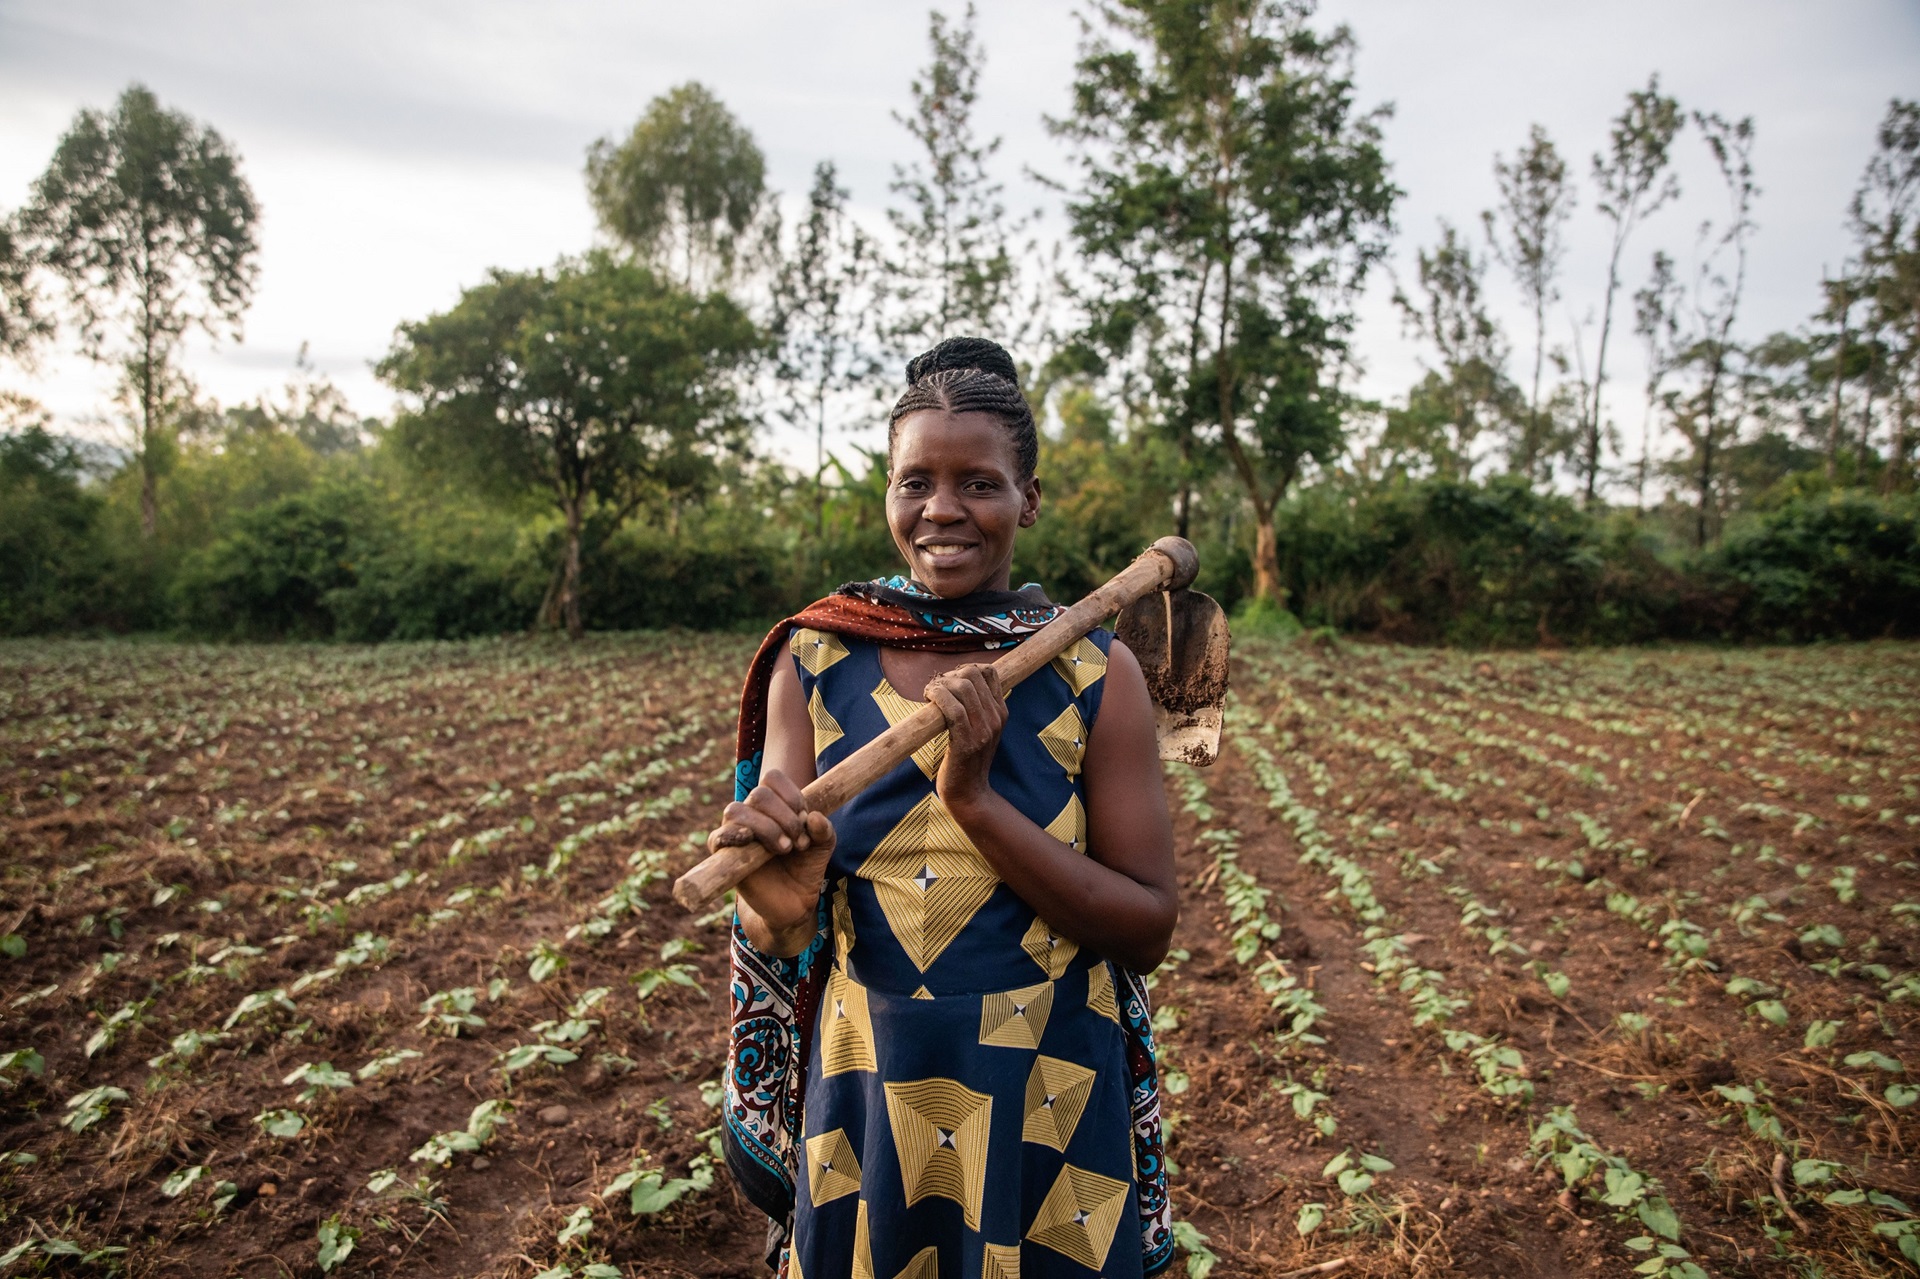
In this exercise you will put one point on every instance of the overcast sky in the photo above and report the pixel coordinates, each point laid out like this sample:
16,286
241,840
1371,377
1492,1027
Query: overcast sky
398,149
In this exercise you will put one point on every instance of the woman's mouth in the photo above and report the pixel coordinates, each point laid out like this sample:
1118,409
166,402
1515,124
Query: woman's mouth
942,551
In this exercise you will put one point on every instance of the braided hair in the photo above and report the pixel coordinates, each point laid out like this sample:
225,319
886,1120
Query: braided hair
970,375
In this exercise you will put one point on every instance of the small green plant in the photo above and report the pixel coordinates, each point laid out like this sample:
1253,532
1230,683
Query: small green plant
336,1243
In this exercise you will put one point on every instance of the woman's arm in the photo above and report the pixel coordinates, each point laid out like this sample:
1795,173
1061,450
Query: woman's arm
778,903
1120,899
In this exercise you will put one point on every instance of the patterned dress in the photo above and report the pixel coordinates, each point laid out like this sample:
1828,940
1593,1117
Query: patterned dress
966,1111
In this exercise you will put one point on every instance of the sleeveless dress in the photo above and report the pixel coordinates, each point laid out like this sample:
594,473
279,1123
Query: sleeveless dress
966,1108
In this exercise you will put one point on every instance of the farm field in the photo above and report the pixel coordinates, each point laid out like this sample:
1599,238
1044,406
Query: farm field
362,961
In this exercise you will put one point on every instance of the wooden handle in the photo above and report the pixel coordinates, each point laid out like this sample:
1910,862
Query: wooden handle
1168,564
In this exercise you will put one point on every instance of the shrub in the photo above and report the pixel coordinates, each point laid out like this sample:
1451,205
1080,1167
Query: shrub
1825,565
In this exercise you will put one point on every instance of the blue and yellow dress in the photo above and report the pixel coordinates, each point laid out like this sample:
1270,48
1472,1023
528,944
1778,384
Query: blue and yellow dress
966,1111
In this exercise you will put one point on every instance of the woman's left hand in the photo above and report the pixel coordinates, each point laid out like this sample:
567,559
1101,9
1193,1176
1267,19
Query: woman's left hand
969,696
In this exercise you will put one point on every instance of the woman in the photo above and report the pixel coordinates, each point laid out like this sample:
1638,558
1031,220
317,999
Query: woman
941,1061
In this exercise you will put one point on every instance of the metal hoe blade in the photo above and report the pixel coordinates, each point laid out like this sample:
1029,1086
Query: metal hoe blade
1181,640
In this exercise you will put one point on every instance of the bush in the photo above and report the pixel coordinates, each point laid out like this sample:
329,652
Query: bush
1445,561
51,559
1829,565
269,576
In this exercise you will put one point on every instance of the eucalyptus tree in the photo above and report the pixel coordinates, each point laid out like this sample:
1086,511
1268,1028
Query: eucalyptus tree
952,269
1633,180
597,385
1470,392
823,303
22,321
1527,235
1710,416
684,190
1231,201
144,216
1656,319
1885,217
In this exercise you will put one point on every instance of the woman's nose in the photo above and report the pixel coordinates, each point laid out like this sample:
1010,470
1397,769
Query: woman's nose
944,507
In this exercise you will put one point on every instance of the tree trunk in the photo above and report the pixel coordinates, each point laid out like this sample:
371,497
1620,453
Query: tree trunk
570,579
149,498
1896,477
1266,557
1833,426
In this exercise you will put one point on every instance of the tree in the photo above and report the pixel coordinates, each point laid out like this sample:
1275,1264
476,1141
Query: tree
1470,391
1231,202
1704,417
952,271
1656,319
22,323
823,301
1885,216
1633,182
598,384
145,217
683,188
1526,234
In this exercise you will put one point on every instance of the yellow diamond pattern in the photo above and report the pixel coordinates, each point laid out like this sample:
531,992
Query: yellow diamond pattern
1002,1261
929,879
1070,827
1016,1018
1081,666
1079,1215
940,1129
817,650
897,708
1057,1093
922,993
925,1265
1100,993
846,1039
833,1169
793,1265
862,1244
826,729
1066,739
1048,949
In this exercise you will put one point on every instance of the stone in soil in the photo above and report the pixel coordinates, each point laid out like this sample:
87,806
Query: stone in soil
555,1116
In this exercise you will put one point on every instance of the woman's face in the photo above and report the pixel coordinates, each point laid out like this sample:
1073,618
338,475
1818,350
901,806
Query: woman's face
955,500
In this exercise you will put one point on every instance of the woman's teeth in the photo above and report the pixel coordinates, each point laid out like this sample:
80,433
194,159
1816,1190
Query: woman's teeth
941,552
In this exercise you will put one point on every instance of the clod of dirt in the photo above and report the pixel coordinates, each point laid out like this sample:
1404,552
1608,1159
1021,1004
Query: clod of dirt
481,1163
555,1116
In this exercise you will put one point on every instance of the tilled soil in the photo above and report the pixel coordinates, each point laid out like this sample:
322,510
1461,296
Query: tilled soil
1589,948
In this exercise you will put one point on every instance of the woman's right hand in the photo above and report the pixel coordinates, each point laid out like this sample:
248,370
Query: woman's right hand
778,903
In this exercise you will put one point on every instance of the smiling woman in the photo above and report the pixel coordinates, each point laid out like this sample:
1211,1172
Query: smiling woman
942,1058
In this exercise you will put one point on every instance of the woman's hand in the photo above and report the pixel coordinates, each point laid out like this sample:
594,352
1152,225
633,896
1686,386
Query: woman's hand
969,696
778,902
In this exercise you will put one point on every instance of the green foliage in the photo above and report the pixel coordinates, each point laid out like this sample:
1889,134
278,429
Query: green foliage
1844,564
682,187
51,556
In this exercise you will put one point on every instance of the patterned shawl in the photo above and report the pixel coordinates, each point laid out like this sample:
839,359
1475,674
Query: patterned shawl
774,999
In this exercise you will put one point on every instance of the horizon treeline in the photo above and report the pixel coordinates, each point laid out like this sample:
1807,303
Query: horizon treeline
586,445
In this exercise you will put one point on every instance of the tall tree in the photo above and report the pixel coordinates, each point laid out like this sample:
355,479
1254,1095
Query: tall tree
683,189
1527,235
823,303
1656,319
953,270
1633,181
22,322
1231,202
145,217
1470,392
1707,418
598,384
1885,216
